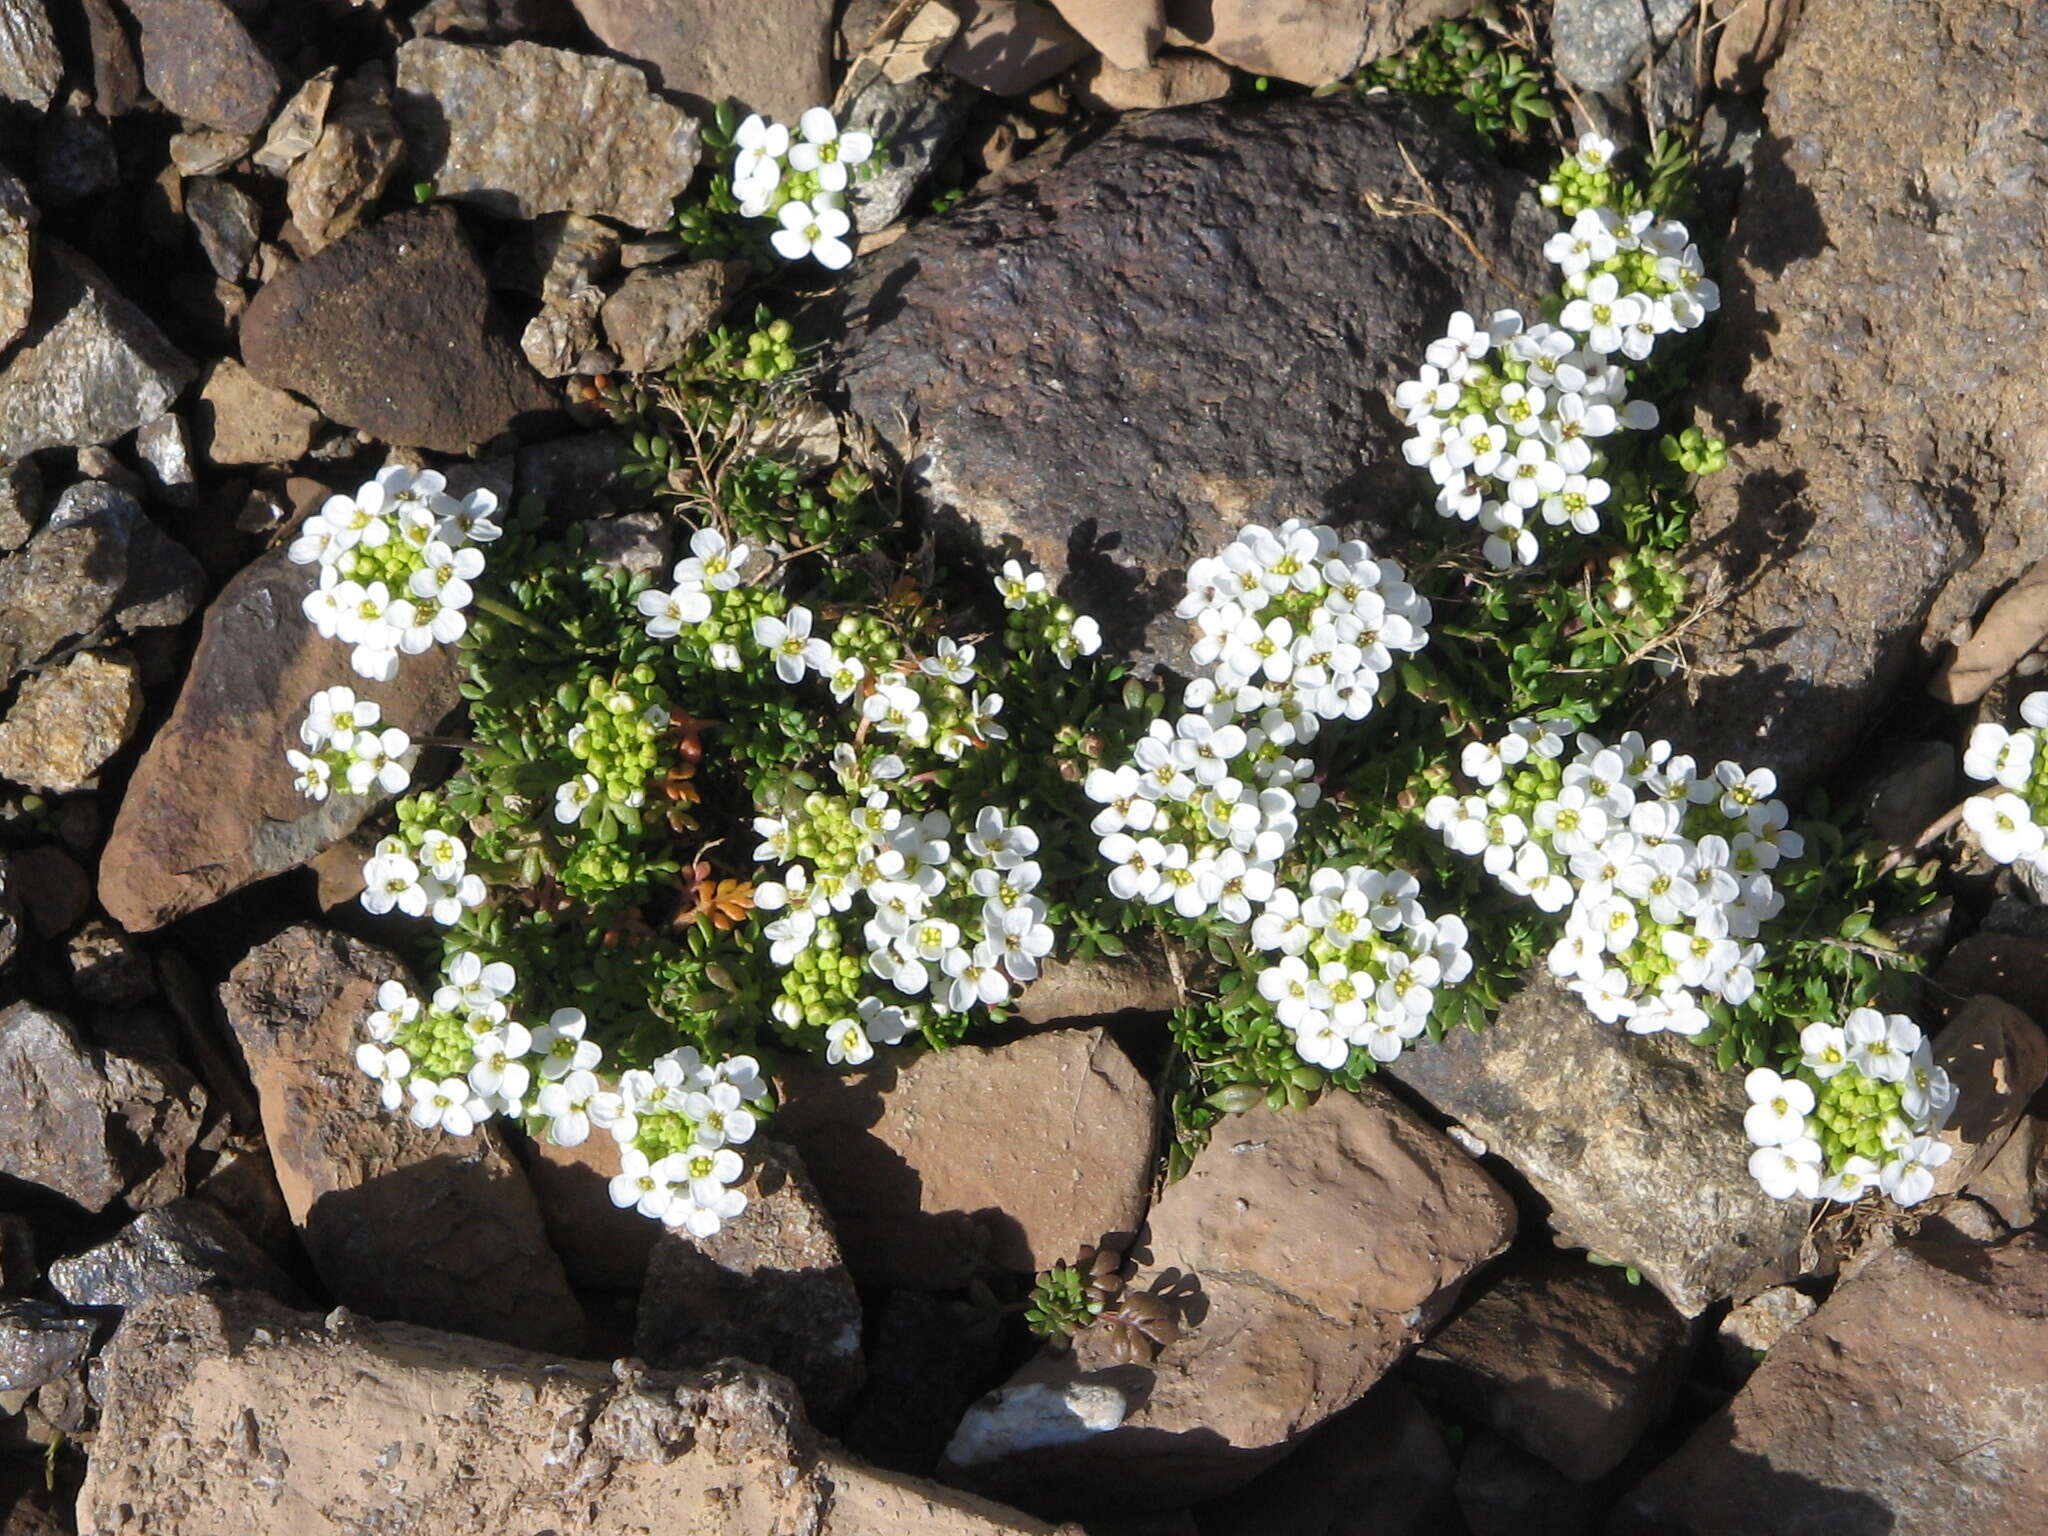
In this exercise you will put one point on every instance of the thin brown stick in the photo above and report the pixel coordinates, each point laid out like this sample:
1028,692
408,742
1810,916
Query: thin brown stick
1429,207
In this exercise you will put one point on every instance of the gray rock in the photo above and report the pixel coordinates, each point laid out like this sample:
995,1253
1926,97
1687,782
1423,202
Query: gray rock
1601,45
91,367
1066,361
915,122
1635,1141
165,448
161,583
437,370
565,331
179,1247
66,722
296,128
658,311
773,56
17,271
607,145
21,502
638,543
40,1342
75,155
199,60
30,65
208,151
579,477
770,1287
225,218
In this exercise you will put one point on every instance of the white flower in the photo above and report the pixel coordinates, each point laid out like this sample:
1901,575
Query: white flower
1909,1177
788,640
702,1203
498,1071
2004,826
809,230
393,880
566,1105
712,563
826,151
390,1067
1017,586
312,775
376,761
450,1105
396,1008
846,1043
1881,1047
1788,1170
637,1186
719,1115
1778,1107
1595,154
2034,709
560,1045
1604,315
571,798
668,613
1823,1050
762,148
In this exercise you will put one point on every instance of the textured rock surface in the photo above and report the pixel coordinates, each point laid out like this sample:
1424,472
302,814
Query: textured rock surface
91,366
39,1342
775,56
915,122
769,1288
242,420
1010,1156
603,145
1066,361
399,1222
1126,32
1916,1399
175,1248
200,61
222,1410
1011,46
1602,45
30,65
17,265
336,182
1873,249
1636,1142
211,805
656,313
64,724
1998,1060
1310,42
1176,80
1309,1251
392,330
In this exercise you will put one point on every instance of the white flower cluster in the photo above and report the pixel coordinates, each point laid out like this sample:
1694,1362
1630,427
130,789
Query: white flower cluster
422,874
459,1058
2011,823
1663,872
1360,962
800,181
1036,616
1861,1110
346,749
396,562
1507,416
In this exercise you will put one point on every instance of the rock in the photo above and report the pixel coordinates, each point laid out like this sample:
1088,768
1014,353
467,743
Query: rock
600,1244
1635,1141
1144,979
296,128
1863,563
90,367
1379,1468
351,163
1504,1491
1307,1251
1125,32
1309,44
1175,80
75,155
200,62
30,66
930,1357
2011,627
392,330
211,806
1098,414
1011,47
165,448
769,1288
65,724
1916,1399
556,340
226,220
1998,1059
658,311
242,420
774,56
1602,45
804,433
221,1410
88,1125
179,1247
40,1342
915,122
2013,1182
605,146
17,269
1913,784
638,543
21,502
1564,1358
110,968
973,1156
54,891
557,254
116,77
579,477
1751,37
399,1222
1752,1328
2003,965
208,151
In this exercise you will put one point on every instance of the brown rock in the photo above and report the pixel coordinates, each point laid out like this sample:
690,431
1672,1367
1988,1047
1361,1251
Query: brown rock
561,253
211,806
769,1288
658,311
66,723
1011,47
1125,32
296,128
973,1156
1916,1399
1752,35
1564,1358
54,890
1308,1251
200,62
1998,1060
1311,42
929,1356
348,167
600,1244
1753,1328
31,68
1174,80
17,276
208,151
2008,966
563,333
116,77
2013,1182
391,330
1504,1491
2010,628
221,1410
242,420
1144,979
773,56
399,1222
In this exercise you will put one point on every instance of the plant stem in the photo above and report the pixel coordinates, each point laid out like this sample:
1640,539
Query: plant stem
501,610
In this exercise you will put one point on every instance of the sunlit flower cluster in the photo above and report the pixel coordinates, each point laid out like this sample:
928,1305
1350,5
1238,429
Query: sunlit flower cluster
422,869
1861,1109
799,180
1662,871
396,563
1036,619
2011,822
1358,963
348,749
458,1058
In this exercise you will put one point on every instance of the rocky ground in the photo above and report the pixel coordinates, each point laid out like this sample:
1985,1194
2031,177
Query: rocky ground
253,250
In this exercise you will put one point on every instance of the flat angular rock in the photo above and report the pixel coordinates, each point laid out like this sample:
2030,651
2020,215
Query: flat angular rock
183,1246
392,330
656,313
604,145
90,367
242,420
66,723
358,152
1177,79
40,1342
768,1287
1068,361
1126,32
227,222
399,1222
1310,43
1010,47
220,1410
915,123
1635,1140
31,68
200,62
1998,1059
774,56
1915,1400
1010,1156
1309,1251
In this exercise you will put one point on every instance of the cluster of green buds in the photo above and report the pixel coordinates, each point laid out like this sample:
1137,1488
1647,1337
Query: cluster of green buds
619,741
1585,179
1038,622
